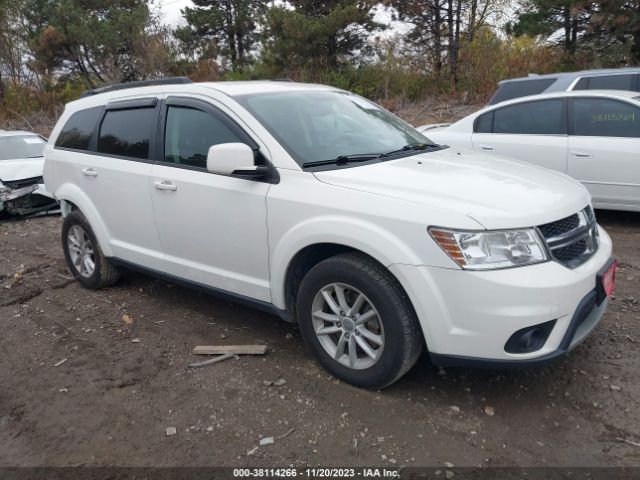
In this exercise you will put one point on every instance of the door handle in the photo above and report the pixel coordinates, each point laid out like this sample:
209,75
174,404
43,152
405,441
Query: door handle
487,148
165,185
581,154
89,172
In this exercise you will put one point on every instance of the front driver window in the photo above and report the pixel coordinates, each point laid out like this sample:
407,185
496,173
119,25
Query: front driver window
543,117
189,133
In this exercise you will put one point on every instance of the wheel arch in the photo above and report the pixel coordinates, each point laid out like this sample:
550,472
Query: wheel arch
73,198
309,256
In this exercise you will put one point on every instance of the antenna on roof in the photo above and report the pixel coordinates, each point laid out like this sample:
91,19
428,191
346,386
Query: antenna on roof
141,83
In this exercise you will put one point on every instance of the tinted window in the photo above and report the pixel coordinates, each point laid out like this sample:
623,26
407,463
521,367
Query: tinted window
484,124
77,132
189,134
607,82
521,88
127,132
541,118
596,117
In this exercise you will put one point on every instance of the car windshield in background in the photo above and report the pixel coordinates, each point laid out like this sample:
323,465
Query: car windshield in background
21,146
319,126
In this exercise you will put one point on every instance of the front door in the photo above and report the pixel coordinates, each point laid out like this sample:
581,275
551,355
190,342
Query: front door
534,132
212,228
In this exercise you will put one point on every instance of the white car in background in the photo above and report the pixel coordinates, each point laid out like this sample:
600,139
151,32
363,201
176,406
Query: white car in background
22,190
593,136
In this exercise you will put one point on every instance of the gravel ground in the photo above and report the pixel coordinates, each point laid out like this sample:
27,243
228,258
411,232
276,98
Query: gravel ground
125,381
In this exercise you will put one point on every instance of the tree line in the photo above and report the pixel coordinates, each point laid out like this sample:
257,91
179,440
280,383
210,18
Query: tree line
51,50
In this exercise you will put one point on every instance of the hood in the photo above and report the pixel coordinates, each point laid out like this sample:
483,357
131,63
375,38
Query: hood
20,169
496,192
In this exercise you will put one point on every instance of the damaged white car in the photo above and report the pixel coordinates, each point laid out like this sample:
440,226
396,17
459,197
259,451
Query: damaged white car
22,190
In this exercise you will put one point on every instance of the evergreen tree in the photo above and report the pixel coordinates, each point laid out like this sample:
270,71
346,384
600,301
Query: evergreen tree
227,29
102,42
318,34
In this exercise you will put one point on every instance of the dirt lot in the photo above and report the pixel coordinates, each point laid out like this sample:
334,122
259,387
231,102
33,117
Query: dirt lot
113,398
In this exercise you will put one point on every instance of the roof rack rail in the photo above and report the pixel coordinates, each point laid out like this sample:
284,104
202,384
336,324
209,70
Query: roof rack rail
141,83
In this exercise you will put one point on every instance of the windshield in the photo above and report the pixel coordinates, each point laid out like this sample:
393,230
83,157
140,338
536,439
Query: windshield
21,146
314,126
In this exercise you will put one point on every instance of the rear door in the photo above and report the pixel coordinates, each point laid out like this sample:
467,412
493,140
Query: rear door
108,152
213,228
604,150
534,132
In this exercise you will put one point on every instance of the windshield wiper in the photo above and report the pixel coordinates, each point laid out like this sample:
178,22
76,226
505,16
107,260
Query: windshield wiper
363,157
411,146
344,159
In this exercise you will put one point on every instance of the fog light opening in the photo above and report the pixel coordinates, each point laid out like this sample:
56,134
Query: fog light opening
529,339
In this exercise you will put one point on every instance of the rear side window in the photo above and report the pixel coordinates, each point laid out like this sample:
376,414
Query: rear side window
544,117
521,88
77,132
127,132
190,132
608,82
598,117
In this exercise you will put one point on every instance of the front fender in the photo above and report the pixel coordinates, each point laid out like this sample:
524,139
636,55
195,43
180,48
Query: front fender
377,242
69,192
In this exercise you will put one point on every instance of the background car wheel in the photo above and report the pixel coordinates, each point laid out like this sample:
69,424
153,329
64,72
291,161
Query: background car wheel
358,321
83,254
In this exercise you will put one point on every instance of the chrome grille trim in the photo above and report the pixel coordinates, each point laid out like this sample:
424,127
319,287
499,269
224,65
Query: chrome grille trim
572,240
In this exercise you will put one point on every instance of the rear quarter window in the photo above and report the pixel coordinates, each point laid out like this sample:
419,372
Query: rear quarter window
76,133
521,88
608,82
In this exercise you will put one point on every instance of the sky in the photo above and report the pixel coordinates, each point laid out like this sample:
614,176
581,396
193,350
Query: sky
171,12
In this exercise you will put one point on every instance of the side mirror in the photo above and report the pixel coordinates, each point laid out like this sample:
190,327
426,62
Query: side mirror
234,159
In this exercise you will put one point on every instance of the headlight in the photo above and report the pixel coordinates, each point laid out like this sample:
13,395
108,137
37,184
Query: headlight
491,249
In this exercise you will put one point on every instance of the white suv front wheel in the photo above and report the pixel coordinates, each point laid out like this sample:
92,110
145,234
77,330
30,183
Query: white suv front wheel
358,321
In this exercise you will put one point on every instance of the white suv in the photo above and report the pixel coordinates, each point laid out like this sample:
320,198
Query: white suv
320,206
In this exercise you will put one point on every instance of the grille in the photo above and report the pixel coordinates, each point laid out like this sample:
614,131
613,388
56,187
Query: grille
560,227
567,254
572,240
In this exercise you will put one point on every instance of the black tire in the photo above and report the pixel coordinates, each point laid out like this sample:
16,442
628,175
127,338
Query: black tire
104,273
403,340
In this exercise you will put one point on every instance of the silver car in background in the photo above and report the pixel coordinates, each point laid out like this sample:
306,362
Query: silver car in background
605,79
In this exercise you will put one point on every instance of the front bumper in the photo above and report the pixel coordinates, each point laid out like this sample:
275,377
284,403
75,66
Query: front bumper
26,200
467,317
7,194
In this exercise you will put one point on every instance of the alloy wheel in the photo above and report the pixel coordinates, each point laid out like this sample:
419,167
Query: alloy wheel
81,251
348,326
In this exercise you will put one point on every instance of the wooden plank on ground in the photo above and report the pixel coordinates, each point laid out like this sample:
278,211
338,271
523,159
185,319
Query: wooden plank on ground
235,349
